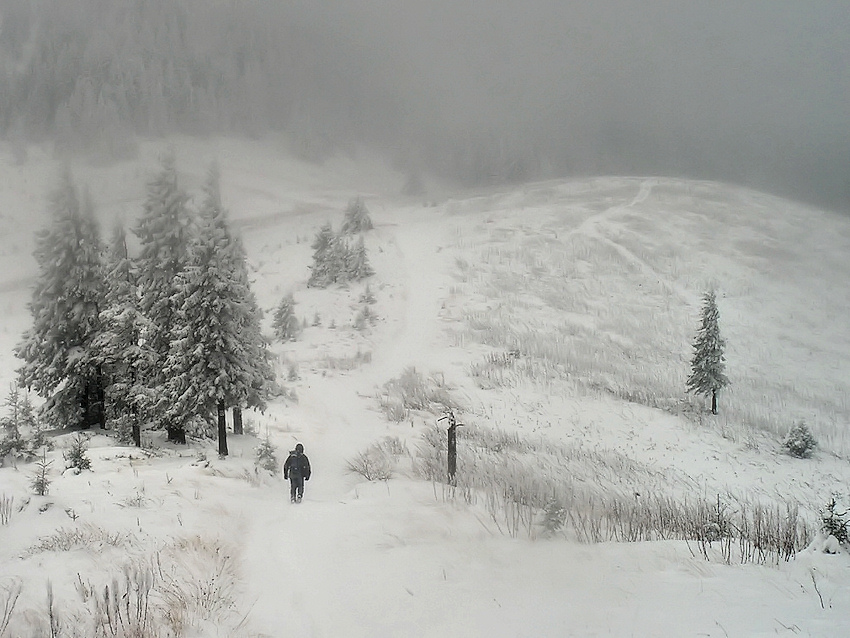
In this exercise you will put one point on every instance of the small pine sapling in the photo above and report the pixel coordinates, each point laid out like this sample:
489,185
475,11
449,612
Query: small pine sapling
368,296
292,373
800,442
75,456
554,516
835,523
267,456
40,482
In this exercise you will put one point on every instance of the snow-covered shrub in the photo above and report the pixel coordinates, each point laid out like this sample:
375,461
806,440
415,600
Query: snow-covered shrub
394,409
412,391
357,218
266,456
800,442
81,536
189,587
285,323
834,522
394,446
75,456
375,464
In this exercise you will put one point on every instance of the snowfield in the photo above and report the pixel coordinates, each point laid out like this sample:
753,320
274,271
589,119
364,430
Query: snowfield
560,314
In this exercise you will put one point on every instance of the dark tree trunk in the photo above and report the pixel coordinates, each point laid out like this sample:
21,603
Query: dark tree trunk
135,426
101,399
452,445
222,430
452,454
714,401
237,420
85,407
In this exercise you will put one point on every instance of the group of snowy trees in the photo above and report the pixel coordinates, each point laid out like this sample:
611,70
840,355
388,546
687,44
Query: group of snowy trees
170,337
336,258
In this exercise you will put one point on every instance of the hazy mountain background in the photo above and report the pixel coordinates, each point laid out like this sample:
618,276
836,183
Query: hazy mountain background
484,92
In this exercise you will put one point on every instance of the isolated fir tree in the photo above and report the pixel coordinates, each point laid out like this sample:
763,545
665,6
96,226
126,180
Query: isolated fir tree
708,364
126,358
218,357
60,362
800,441
357,219
285,324
164,232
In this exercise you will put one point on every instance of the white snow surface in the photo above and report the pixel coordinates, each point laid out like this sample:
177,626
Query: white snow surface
397,558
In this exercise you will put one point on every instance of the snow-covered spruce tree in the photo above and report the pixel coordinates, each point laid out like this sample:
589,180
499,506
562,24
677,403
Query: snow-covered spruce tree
285,324
357,265
164,231
800,442
834,522
218,356
126,358
708,364
266,456
357,219
328,262
60,363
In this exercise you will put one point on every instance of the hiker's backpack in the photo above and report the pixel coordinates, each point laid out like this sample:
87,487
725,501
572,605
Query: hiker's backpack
294,466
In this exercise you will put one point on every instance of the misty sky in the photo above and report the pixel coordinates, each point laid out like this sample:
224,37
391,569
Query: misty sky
756,91
485,91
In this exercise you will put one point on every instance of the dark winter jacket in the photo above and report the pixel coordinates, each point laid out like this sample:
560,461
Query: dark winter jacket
297,466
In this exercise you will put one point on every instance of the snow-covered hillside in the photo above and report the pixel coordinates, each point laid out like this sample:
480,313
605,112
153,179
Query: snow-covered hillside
559,312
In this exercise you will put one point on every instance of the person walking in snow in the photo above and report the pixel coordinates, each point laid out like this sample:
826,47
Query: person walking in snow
297,470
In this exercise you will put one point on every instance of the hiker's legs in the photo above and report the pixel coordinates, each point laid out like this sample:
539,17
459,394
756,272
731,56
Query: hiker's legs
293,488
300,488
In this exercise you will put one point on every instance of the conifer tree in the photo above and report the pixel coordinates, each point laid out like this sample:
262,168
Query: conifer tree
164,231
327,262
285,323
708,365
125,356
357,219
358,266
60,361
218,357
